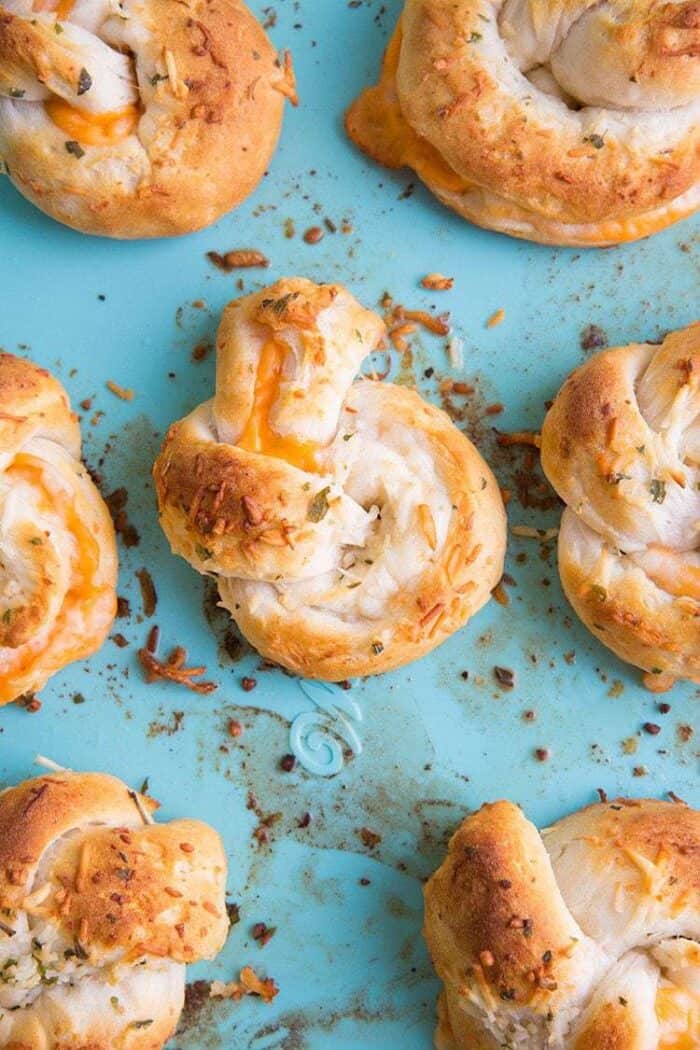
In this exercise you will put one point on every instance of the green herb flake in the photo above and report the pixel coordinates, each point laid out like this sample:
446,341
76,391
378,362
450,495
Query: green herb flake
7,615
156,78
36,541
84,81
17,93
596,141
141,1024
616,478
58,28
318,506
75,149
658,490
474,37
203,552
599,593
377,648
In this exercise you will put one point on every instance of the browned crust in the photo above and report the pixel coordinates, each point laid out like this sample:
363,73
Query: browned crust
494,914
592,432
650,828
37,811
32,399
447,595
206,151
664,639
497,868
114,889
112,882
525,167
496,163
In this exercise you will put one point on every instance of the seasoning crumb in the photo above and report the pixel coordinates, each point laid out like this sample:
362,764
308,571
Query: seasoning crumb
120,391
235,728
149,596
304,821
496,318
262,933
593,338
248,983
437,282
238,259
542,754
313,235
652,728
248,684
173,669
504,676
370,838
287,763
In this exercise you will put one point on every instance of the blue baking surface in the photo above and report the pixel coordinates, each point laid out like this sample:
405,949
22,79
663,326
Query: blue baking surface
412,751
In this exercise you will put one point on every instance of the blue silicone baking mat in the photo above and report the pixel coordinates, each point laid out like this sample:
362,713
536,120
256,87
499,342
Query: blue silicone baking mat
387,768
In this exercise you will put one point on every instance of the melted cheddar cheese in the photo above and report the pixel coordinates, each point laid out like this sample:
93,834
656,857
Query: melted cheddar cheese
92,129
376,124
678,1014
83,591
258,435
61,8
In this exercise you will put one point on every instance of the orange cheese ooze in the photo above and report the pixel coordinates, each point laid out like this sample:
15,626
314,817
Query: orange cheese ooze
61,8
92,129
61,645
258,435
678,1014
376,124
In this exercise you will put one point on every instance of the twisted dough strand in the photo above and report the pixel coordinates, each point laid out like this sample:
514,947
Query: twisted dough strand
101,908
58,562
621,445
350,526
137,119
587,937
563,121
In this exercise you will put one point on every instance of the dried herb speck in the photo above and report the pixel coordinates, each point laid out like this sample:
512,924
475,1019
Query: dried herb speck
318,506
84,81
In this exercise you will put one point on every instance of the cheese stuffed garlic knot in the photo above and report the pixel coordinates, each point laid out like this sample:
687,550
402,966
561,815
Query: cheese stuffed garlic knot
137,118
621,445
561,121
350,526
100,911
586,938
58,559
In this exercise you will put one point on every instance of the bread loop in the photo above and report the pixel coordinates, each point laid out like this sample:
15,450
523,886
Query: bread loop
101,909
58,559
137,118
350,526
565,121
586,937
621,445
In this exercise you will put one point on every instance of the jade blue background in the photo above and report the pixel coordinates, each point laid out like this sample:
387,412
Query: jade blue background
348,957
